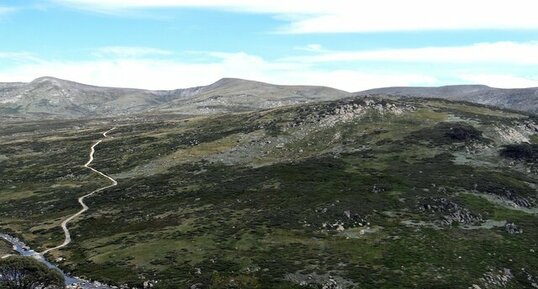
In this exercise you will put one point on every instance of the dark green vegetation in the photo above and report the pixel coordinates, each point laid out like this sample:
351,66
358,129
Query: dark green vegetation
26,273
525,151
367,193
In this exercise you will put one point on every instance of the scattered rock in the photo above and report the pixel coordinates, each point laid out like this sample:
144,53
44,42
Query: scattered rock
512,228
324,281
497,278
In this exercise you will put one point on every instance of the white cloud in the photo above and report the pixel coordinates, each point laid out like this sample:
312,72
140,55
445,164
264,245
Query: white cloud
128,51
152,68
413,15
492,53
171,74
322,16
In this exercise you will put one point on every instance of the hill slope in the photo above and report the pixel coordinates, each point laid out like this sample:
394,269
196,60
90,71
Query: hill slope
49,97
52,98
234,95
369,193
522,99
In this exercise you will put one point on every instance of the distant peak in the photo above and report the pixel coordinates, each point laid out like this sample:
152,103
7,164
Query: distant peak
48,79
466,86
231,80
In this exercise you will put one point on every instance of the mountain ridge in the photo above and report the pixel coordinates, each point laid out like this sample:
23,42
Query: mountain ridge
54,98
521,99
50,97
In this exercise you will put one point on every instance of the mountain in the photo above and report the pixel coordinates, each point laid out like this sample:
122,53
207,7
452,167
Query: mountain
362,192
49,97
234,95
521,99
53,98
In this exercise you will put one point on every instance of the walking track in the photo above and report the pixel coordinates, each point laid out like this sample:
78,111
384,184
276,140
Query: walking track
67,239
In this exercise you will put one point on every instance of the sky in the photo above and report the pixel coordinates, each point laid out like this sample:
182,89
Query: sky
347,44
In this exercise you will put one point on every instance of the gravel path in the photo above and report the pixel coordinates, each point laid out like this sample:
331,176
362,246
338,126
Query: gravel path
67,239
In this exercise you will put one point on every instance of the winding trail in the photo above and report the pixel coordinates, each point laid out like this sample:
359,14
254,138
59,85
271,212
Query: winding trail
81,199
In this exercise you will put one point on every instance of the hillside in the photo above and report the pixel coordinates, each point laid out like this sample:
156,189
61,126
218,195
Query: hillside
522,99
236,95
49,97
52,98
375,192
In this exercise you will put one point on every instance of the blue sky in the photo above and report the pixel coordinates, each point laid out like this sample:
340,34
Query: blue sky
351,45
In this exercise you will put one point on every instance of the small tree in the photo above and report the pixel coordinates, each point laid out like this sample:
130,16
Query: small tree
18,272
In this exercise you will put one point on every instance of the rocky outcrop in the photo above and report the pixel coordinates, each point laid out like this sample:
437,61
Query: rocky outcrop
449,212
332,218
512,228
324,281
516,199
329,114
497,278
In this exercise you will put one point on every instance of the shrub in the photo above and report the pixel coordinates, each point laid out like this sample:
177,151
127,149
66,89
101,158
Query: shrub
27,273
527,152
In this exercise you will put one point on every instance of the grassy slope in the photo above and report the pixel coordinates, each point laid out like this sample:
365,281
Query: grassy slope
5,248
252,200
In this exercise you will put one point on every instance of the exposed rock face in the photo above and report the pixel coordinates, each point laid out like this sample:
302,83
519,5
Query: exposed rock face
449,211
523,99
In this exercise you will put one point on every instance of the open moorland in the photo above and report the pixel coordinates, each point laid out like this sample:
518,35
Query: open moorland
365,192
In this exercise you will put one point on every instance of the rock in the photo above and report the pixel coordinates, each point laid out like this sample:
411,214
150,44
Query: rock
451,212
330,284
497,278
512,228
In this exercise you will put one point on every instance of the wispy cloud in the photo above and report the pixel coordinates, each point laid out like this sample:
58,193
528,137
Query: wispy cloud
418,15
129,52
314,47
524,53
6,10
337,16
19,56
